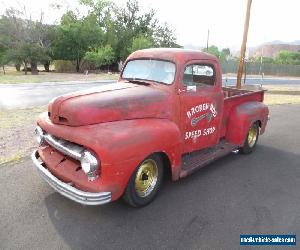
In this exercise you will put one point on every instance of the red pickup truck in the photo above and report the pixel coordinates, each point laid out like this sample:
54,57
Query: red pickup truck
168,115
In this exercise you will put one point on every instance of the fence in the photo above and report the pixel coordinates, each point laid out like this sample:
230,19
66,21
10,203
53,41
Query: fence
253,68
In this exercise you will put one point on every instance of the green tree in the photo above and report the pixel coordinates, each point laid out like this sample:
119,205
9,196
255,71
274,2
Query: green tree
263,59
225,54
4,46
164,36
103,11
130,22
3,58
212,50
12,32
123,28
288,57
76,36
103,56
123,25
100,9
140,42
47,35
26,54
19,33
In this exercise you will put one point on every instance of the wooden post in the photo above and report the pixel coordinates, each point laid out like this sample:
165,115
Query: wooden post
207,40
243,47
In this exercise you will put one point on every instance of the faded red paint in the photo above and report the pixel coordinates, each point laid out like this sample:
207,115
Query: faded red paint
124,123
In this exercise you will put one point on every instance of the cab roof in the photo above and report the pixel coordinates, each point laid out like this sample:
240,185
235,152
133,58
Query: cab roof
172,54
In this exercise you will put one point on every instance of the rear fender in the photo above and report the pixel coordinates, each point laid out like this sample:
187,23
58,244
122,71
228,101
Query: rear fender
241,118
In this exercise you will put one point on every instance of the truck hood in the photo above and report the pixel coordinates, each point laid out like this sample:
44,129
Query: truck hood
112,102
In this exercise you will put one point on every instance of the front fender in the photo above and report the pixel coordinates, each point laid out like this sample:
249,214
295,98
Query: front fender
241,118
120,141
130,139
122,145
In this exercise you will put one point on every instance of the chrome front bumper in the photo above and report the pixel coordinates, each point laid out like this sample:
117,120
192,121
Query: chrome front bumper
85,198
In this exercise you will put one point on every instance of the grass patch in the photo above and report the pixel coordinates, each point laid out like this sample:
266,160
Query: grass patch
14,77
17,138
272,99
10,118
278,94
13,158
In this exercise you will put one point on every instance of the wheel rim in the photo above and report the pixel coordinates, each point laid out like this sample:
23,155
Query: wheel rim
146,178
252,136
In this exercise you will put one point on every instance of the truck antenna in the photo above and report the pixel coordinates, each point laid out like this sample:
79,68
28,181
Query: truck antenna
243,47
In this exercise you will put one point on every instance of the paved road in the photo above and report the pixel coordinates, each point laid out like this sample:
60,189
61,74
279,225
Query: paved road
265,81
32,94
257,193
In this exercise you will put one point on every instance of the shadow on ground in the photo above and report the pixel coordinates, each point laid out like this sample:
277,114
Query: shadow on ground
257,193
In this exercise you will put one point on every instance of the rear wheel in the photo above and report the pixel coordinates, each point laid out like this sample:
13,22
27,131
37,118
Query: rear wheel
145,182
251,139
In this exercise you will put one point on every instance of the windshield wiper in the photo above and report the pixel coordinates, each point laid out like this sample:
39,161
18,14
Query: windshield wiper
138,81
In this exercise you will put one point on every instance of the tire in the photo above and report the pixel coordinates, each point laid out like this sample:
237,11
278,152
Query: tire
145,182
251,139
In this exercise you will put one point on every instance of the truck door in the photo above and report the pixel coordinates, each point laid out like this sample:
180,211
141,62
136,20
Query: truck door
201,106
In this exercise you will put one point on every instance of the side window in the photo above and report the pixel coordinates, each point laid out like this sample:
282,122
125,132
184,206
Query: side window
199,75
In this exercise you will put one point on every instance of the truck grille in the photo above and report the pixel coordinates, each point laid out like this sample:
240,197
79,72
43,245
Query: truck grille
68,148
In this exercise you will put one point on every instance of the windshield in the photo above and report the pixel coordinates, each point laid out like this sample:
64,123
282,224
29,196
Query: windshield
149,69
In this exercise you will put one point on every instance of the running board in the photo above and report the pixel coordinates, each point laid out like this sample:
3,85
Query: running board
198,159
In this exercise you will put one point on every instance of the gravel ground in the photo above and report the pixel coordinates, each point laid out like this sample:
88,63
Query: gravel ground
16,134
19,77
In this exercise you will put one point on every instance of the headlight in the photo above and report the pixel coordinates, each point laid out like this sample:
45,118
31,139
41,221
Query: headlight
39,135
89,164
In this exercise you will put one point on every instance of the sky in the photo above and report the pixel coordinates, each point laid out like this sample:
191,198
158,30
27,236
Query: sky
191,19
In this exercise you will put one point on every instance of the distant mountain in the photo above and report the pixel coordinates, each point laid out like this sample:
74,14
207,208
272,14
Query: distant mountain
271,50
296,42
268,49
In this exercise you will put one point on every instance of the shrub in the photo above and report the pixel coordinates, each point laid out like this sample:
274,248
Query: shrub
64,66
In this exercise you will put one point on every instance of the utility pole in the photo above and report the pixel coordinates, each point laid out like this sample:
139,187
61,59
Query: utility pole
243,47
261,66
207,40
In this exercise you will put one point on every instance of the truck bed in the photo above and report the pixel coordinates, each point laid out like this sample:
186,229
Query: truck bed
234,92
234,97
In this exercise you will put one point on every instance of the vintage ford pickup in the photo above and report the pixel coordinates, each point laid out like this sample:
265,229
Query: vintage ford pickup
168,115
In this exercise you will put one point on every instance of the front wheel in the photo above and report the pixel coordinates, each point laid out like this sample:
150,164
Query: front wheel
144,182
251,139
